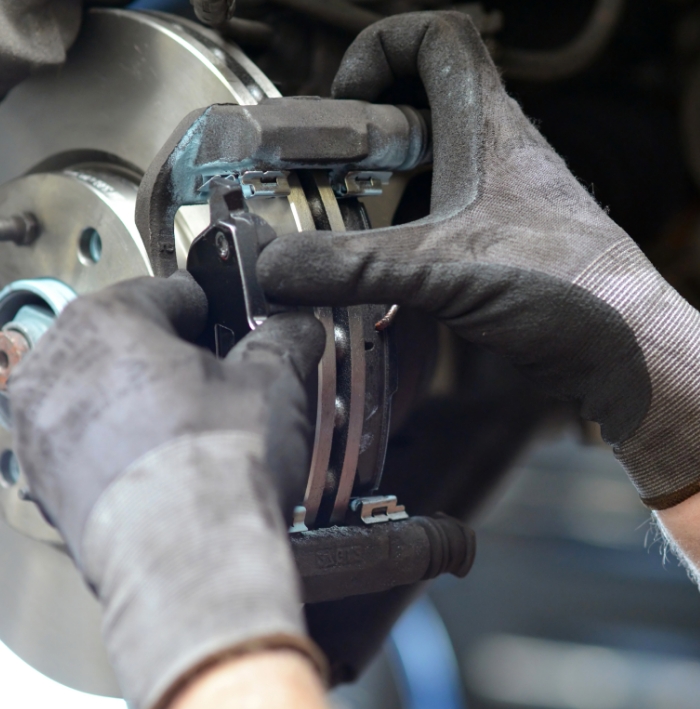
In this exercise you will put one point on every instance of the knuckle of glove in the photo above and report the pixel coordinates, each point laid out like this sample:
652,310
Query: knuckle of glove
391,49
35,36
176,305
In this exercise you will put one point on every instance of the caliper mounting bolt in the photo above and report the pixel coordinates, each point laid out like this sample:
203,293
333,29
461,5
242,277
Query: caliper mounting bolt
22,229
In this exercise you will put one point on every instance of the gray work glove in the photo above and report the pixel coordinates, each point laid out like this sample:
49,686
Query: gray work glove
34,34
515,256
172,475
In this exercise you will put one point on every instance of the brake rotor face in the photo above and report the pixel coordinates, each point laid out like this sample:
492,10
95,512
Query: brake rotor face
73,145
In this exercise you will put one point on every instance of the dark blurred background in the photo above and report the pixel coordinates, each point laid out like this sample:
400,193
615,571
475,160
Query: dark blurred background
571,603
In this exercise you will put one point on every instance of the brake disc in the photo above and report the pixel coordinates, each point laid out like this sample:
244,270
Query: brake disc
74,143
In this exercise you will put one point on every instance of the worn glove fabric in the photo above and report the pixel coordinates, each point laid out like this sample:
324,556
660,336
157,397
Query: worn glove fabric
171,474
34,34
515,256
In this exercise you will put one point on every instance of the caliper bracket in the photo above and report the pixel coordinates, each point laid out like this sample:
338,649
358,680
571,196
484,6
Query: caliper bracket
358,143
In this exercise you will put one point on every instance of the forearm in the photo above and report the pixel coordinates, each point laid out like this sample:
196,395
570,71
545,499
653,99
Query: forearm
681,527
284,679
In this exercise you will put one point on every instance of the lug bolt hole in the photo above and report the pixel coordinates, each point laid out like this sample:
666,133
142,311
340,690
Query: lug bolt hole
4,360
9,468
89,247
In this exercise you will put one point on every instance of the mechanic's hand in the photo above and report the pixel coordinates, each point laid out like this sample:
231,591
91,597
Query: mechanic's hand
165,470
34,34
516,256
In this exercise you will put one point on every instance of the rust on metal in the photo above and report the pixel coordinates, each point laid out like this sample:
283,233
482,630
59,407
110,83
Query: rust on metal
13,347
384,323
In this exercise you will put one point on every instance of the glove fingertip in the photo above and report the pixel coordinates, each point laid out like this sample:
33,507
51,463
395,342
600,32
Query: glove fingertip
353,80
189,315
296,337
175,303
288,269
313,336
327,268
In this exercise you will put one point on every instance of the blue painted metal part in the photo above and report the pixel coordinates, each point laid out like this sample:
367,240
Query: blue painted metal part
177,7
424,661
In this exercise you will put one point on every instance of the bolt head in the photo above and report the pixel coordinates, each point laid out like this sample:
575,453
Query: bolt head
222,246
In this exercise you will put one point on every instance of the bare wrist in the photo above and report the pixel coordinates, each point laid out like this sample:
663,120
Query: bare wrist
281,678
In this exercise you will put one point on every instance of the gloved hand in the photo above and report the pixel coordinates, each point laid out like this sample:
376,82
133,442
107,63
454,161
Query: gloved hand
35,34
172,475
515,256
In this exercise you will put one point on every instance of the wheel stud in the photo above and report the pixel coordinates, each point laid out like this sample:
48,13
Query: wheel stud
22,229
